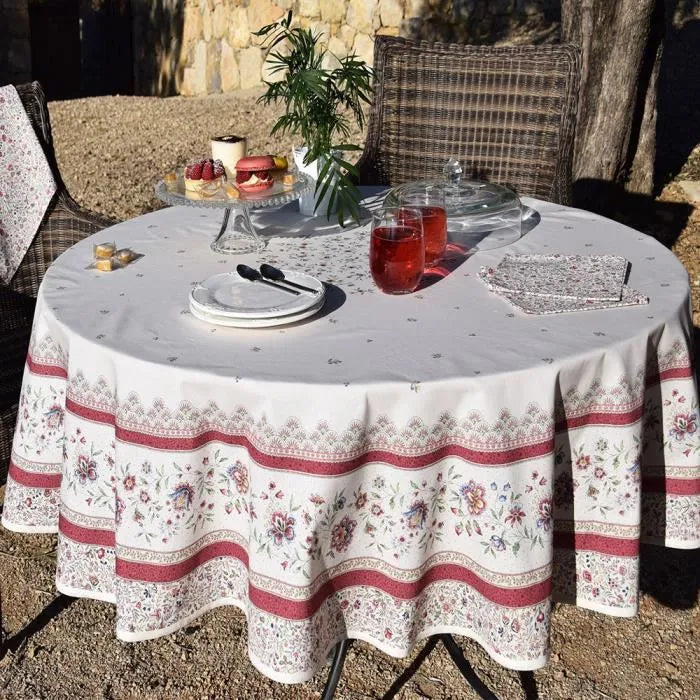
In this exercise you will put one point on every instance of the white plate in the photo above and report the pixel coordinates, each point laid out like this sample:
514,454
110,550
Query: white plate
232,322
228,294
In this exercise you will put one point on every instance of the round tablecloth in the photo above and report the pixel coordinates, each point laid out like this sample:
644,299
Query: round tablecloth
392,468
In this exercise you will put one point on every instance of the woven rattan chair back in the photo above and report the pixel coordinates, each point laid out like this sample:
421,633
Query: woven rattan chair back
507,113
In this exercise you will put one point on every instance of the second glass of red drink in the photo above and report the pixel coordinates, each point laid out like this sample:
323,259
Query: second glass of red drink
397,250
431,202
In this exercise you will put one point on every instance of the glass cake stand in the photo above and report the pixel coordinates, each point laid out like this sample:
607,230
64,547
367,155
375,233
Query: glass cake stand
237,234
480,215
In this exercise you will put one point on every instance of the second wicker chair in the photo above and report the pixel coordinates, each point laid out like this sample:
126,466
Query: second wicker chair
507,113
64,224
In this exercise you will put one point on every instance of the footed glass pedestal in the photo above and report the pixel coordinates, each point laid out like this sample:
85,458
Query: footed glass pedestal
237,234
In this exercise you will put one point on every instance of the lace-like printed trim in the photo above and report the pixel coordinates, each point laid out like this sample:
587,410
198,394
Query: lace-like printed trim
677,356
292,438
46,351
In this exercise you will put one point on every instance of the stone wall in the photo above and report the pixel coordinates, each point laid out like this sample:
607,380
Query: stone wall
15,51
215,51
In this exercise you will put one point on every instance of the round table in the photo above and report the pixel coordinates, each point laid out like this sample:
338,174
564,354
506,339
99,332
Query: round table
390,469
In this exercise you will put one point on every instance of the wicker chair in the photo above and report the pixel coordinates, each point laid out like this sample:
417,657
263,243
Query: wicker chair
64,224
507,113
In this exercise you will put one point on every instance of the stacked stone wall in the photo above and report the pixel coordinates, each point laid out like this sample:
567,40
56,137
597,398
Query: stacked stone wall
210,47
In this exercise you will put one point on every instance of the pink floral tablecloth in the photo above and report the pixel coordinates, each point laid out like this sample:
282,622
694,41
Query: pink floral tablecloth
393,468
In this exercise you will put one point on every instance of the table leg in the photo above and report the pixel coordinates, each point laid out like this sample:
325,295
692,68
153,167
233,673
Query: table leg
527,680
407,674
453,650
52,610
341,650
465,668
237,234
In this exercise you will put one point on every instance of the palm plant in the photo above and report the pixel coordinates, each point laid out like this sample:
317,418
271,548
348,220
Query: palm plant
319,102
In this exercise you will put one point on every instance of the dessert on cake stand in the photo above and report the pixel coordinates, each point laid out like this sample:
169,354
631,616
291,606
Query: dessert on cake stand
237,234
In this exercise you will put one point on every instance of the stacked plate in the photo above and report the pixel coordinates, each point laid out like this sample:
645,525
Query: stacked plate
229,300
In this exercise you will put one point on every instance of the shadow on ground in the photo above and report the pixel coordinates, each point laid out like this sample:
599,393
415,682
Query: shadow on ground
664,221
670,576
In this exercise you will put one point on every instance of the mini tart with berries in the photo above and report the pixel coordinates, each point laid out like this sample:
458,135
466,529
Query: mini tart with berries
204,173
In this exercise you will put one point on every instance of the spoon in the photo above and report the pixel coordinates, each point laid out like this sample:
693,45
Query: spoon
272,273
249,273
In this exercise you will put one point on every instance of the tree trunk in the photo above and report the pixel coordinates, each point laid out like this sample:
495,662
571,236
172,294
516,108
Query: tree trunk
620,43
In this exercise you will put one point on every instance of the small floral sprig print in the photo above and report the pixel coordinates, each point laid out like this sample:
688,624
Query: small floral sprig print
681,433
605,474
233,482
499,516
41,414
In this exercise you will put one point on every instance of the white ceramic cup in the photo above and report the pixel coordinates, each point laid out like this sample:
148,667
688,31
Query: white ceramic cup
229,150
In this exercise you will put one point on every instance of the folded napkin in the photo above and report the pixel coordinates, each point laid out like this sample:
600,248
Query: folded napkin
551,284
26,182
598,277
531,304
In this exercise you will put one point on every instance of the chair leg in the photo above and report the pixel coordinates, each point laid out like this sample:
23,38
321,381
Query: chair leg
465,668
341,650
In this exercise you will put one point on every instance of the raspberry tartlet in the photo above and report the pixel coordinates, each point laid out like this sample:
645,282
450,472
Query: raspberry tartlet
204,173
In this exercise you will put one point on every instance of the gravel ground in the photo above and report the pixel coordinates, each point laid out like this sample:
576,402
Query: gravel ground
111,150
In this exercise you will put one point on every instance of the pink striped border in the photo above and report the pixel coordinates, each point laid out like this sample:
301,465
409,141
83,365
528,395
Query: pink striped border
604,544
669,486
311,466
600,418
85,535
343,466
298,610
671,373
37,480
290,609
47,370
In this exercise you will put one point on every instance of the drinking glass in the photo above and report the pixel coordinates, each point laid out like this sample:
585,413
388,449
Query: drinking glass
397,250
431,201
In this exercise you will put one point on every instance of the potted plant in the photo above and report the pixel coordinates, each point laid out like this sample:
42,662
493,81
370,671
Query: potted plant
319,102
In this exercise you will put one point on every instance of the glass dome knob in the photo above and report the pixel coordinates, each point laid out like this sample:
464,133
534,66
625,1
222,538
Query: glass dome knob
452,171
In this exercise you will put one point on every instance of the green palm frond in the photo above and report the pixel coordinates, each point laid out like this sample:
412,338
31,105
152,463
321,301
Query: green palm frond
317,100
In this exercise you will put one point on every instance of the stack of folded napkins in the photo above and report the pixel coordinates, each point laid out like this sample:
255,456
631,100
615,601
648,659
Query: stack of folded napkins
551,284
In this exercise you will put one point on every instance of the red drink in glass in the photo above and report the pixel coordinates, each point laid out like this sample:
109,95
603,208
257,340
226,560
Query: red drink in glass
434,233
396,255
430,199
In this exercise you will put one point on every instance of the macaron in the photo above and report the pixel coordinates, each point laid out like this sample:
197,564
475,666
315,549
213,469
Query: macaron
253,173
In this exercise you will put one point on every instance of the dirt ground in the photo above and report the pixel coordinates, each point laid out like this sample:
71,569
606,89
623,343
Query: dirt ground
111,150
